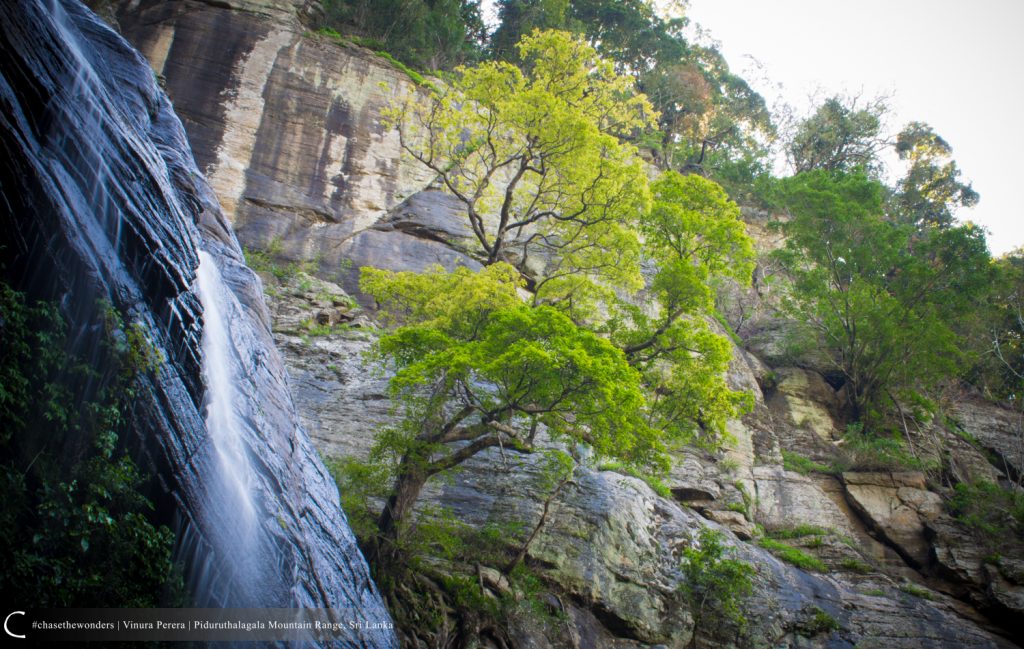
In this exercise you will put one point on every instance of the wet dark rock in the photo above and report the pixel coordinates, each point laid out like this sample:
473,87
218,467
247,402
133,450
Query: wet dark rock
103,201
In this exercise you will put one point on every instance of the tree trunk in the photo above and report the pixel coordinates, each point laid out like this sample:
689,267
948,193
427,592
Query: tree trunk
385,551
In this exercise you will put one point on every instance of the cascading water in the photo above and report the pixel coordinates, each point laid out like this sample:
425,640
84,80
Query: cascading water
102,201
221,419
229,478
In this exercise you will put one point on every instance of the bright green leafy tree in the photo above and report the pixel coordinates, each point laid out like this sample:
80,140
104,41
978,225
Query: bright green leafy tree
491,358
693,233
711,121
476,364
535,159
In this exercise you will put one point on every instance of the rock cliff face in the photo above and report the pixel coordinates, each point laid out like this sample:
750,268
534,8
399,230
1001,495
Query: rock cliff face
287,123
611,548
103,202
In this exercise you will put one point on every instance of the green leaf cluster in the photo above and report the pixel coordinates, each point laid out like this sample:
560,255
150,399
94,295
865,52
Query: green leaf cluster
507,365
839,137
793,555
990,510
692,234
817,621
931,189
713,584
535,158
74,523
710,120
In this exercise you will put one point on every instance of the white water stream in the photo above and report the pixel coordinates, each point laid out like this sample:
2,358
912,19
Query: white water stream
222,421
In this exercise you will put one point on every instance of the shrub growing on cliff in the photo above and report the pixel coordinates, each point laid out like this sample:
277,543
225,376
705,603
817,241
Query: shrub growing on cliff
793,555
990,510
714,585
74,527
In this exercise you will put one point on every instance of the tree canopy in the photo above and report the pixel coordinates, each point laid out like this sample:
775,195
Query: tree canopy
552,335
535,158
840,136
475,364
883,301
431,34
931,189
692,234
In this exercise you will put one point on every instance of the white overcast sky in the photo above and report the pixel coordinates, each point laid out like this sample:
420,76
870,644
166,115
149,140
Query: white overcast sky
958,66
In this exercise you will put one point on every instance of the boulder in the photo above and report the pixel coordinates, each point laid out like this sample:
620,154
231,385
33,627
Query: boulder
994,426
896,506
786,499
735,522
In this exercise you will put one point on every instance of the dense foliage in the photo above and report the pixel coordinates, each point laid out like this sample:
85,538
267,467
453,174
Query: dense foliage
839,136
535,159
75,523
1004,333
709,120
932,189
430,34
551,336
882,296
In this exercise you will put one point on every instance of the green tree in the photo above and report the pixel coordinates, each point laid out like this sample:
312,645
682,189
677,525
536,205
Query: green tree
711,121
518,18
475,364
714,584
881,307
731,131
431,34
693,233
1007,331
932,189
629,32
839,136
536,160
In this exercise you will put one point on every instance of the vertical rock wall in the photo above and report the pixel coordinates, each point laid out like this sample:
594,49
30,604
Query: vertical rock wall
284,122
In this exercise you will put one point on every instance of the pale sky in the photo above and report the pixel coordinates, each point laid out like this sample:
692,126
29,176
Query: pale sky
955,65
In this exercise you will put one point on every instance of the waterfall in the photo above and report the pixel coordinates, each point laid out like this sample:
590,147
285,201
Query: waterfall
234,542
103,203
222,420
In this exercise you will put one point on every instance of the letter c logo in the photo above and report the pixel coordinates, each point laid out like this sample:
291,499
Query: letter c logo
8,631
